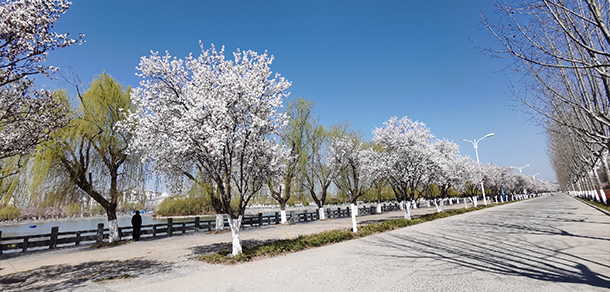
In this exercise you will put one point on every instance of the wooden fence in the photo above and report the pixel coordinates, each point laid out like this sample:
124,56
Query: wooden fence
57,239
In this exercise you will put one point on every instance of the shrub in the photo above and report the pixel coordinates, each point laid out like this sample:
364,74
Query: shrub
9,213
73,209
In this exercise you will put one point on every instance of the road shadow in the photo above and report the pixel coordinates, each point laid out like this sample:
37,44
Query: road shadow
522,246
70,277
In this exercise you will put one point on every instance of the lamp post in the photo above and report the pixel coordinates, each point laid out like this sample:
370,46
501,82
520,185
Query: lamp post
475,143
534,176
521,172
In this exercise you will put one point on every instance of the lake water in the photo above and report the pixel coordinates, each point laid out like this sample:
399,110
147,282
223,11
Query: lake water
73,224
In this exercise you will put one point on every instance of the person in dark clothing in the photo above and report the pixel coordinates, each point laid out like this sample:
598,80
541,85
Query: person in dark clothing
136,222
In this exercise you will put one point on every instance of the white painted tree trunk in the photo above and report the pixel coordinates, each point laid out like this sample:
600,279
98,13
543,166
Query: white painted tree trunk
438,205
354,211
474,201
413,205
283,215
220,222
321,213
378,208
235,225
603,194
407,210
401,205
113,229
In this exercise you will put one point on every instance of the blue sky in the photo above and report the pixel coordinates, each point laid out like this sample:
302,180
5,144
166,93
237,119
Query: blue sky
360,61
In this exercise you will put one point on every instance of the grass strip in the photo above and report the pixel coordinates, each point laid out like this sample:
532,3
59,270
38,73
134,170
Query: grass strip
597,204
324,238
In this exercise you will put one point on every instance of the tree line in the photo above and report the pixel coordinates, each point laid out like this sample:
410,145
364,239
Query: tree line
208,124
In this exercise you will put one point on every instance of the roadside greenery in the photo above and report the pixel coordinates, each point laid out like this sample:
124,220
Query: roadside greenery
597,204
324,238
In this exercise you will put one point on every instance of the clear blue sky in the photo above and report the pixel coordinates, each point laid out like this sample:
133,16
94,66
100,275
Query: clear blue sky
360,61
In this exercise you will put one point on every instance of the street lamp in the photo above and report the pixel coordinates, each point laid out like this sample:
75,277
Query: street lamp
534,176
521,172
475,143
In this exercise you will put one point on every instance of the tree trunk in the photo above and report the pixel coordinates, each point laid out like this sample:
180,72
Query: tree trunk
474,201
113,227
283,216
235,225
439,206
354,212
601,189
407,209
321,213
465,205
379,208
220,222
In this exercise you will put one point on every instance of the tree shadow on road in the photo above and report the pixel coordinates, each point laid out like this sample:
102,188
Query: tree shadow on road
226,246
70,277
523,247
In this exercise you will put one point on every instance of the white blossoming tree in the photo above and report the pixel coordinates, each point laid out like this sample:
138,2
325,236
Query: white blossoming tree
28,116
449,171
208,118
350,162
407,159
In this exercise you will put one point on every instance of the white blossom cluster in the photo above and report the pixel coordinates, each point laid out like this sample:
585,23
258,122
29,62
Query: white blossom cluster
28,116
211,117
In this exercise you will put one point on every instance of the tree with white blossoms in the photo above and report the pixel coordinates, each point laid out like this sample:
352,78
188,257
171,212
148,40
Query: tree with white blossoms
28,116
351,164
474,174
407,157
449,171
214,118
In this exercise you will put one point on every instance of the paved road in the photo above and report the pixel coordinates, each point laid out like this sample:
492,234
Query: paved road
543,244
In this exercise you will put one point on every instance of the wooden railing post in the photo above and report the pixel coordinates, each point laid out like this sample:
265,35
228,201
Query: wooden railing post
53,241
197,227
305,215
277,218
260,219
24,248
154,231
170,226
77,242
183,227
100,233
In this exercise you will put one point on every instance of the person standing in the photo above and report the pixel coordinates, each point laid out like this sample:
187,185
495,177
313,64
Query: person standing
136,223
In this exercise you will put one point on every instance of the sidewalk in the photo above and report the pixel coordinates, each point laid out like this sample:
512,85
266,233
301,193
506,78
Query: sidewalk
72,268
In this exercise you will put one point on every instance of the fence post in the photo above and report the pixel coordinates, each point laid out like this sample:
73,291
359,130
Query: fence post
183,227
338,212
170,226
277,218
0,241
24,248
197,224
53,241
77,238
305,215
209,224
100,233
260,219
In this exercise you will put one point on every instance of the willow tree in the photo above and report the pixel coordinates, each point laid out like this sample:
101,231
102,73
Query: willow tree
294,138
90,154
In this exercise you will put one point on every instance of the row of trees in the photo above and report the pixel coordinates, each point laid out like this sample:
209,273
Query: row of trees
564,49
212,125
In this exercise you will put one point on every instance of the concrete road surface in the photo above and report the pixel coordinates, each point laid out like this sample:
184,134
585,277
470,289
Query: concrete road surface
553,243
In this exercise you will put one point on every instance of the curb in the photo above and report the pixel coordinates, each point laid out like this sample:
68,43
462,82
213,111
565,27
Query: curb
596,207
